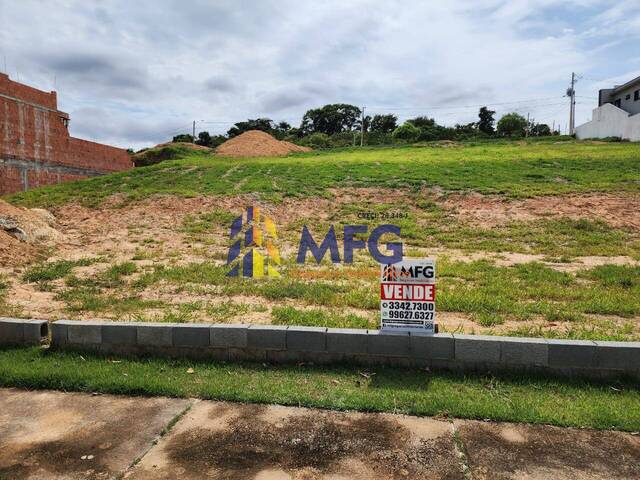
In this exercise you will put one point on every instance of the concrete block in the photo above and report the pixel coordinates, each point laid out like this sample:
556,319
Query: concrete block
618,355
229,335
307,339
388,344
11,331
35,331
246,355
347,340
59,333
477,348
119,333
428,347
572,353
84,333
268,337
155,334
191,335
525,351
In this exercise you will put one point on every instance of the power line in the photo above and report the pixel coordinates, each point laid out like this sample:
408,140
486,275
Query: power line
437,107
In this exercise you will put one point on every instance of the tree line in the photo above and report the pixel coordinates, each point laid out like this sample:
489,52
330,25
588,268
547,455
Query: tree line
340,124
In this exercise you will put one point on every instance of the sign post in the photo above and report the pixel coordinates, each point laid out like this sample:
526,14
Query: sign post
407,296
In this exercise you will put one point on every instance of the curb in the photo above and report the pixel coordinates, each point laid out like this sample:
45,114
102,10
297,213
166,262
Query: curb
293,344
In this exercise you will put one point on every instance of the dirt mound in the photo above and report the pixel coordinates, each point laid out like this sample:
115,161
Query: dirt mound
23,232
256,143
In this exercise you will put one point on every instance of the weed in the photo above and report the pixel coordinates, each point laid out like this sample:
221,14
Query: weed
47,272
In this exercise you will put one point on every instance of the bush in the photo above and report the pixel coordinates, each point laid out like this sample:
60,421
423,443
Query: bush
316,140
406,132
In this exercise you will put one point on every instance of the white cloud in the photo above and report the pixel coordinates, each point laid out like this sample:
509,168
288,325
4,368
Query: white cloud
129,72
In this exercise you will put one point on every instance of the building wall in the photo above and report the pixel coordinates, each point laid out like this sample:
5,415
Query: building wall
630,105
610,121
35,146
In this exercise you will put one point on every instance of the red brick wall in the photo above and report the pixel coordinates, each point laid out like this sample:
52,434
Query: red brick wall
35,146
27,93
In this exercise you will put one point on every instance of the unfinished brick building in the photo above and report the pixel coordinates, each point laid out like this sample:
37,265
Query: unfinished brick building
35,146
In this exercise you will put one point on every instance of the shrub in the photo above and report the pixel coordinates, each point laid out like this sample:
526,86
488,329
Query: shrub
317,140
406,132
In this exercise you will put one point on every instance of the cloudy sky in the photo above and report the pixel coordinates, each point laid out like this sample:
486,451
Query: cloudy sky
136,73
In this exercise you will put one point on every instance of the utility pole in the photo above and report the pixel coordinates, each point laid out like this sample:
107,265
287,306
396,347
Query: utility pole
526,132
194,132
571,93
362,129
553,129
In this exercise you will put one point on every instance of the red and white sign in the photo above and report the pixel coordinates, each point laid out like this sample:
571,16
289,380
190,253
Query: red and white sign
403,291
407,296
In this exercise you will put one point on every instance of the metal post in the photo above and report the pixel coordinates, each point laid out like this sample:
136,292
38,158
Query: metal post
362,128
572,104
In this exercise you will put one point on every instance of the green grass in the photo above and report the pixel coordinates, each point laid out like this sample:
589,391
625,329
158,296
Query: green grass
46,272
514,398
319,318
510,169
208,222
489,294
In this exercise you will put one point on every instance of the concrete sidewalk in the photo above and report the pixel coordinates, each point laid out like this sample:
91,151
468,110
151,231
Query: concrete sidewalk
53,435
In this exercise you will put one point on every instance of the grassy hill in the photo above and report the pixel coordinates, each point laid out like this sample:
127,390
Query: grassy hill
512,169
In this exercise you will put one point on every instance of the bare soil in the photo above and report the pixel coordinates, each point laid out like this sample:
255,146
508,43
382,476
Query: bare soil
256,143
615,209
38,231
151,232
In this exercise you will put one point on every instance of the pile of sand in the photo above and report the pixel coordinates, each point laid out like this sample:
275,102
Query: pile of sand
256,143
24,232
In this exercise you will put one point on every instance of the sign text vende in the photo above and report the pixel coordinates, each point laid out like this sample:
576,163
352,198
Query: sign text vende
403,291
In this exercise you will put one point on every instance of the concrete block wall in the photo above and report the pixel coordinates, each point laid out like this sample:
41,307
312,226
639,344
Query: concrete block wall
23,332
293,344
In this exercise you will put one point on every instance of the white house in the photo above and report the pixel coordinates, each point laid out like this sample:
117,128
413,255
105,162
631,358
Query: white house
617,115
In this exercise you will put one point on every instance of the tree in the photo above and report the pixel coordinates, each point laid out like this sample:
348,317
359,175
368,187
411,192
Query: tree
183,137
367,124
541,130
512,125
486,122
331,119
264,124
281,130
467,128
422,122
206,140
407,132
384,123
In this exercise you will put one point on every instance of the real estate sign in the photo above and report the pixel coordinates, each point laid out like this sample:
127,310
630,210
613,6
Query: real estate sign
407,295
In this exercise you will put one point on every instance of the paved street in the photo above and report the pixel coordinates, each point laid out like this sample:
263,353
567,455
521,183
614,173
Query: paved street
59,435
